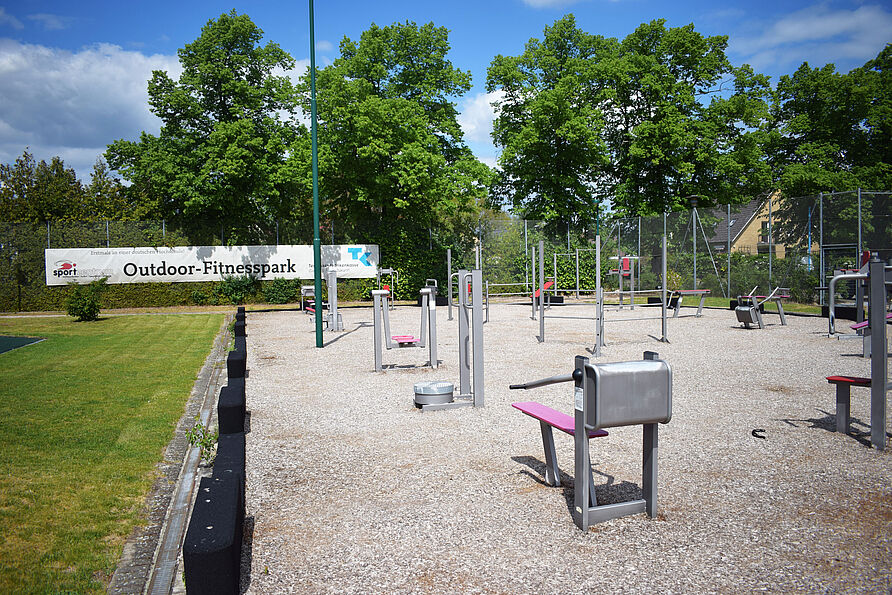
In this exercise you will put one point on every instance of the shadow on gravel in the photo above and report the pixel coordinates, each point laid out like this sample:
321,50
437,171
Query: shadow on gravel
607,493
247,554
858,429
341,335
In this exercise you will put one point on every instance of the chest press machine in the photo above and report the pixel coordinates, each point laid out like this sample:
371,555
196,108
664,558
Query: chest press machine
607,396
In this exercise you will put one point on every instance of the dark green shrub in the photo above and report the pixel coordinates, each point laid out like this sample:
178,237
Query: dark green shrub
236,289
280,291
83,302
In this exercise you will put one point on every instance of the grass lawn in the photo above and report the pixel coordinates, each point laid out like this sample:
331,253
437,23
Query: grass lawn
84,417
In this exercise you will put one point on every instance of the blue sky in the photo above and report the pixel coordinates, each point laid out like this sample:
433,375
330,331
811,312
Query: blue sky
73,74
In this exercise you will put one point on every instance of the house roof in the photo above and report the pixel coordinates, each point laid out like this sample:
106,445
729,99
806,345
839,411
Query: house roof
741,215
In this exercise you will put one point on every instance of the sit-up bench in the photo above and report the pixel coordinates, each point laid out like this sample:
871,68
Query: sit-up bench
606,396
844,386
551,418
679,295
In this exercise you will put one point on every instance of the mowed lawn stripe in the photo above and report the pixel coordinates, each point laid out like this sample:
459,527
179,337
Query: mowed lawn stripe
84,418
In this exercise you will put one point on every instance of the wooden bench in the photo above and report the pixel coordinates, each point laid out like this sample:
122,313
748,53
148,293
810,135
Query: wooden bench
844,386
551,418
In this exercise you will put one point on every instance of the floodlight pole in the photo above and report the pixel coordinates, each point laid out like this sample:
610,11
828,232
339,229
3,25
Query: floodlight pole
317,244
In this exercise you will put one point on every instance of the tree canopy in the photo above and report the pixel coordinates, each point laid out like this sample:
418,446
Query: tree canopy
586,117
224,143
390,146
34,191
831,131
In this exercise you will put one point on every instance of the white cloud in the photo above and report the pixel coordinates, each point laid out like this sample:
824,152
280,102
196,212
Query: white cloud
72,104
818,35
50,22
324,46
8,19
477,115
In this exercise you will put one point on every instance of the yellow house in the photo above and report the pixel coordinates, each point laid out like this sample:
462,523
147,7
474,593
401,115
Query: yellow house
749,228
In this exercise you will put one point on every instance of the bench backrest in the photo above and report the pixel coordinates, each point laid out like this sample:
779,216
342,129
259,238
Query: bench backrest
627,393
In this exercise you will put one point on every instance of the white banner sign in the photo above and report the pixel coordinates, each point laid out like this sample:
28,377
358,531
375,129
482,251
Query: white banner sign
204,263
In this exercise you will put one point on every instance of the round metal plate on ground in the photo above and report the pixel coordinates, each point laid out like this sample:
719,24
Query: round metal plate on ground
433,392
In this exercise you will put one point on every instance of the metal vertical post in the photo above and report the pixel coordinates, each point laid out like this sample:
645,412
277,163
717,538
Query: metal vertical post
770,245
554,287
317,242
859,224
47,234
464,362
577,273
377,314
449,281
526,251
533,280
694,229
729,251
541,291
582,496
821,240
878,352
477,334
664,338
107,239
163,228
639,257
277,232
649,469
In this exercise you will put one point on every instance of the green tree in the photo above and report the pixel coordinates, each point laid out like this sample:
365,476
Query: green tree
587,117
32,191
550,123
833,132
222,150
390,146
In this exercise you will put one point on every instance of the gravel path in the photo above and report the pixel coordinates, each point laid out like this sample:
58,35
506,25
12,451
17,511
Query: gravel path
352,489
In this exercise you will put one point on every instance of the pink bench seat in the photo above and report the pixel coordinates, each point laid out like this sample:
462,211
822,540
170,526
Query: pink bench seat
554,418
844,386
550,418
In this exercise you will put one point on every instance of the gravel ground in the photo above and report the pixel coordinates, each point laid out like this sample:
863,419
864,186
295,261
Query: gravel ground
350,488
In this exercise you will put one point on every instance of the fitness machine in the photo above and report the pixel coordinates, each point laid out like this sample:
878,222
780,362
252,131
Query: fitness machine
333,319
381,316
431,396
609,396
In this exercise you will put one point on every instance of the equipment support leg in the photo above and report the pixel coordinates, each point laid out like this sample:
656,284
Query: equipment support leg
649,470
552,473
843,400
780,310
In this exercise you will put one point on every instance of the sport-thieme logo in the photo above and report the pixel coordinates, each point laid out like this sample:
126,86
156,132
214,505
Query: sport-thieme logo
65,268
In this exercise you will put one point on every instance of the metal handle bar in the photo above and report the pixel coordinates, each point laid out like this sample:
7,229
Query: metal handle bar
575,375
831,311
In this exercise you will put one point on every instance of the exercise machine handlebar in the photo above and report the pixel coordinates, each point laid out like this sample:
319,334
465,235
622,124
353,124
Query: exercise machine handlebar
575,376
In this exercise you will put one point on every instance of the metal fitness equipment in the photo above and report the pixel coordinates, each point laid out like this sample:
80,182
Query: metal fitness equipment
879,277
394,281
381,318
749,307
333,318
609,396
470,349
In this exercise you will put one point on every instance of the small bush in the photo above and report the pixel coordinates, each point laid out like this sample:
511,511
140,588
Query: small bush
236,289
83,302
280,291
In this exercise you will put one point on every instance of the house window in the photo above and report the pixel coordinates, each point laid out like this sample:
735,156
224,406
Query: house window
764,249
763,233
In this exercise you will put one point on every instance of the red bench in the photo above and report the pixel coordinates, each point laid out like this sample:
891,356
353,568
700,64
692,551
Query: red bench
551,418
546,287
844,386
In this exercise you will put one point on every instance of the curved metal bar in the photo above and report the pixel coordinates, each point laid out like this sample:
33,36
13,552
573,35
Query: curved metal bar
831,313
